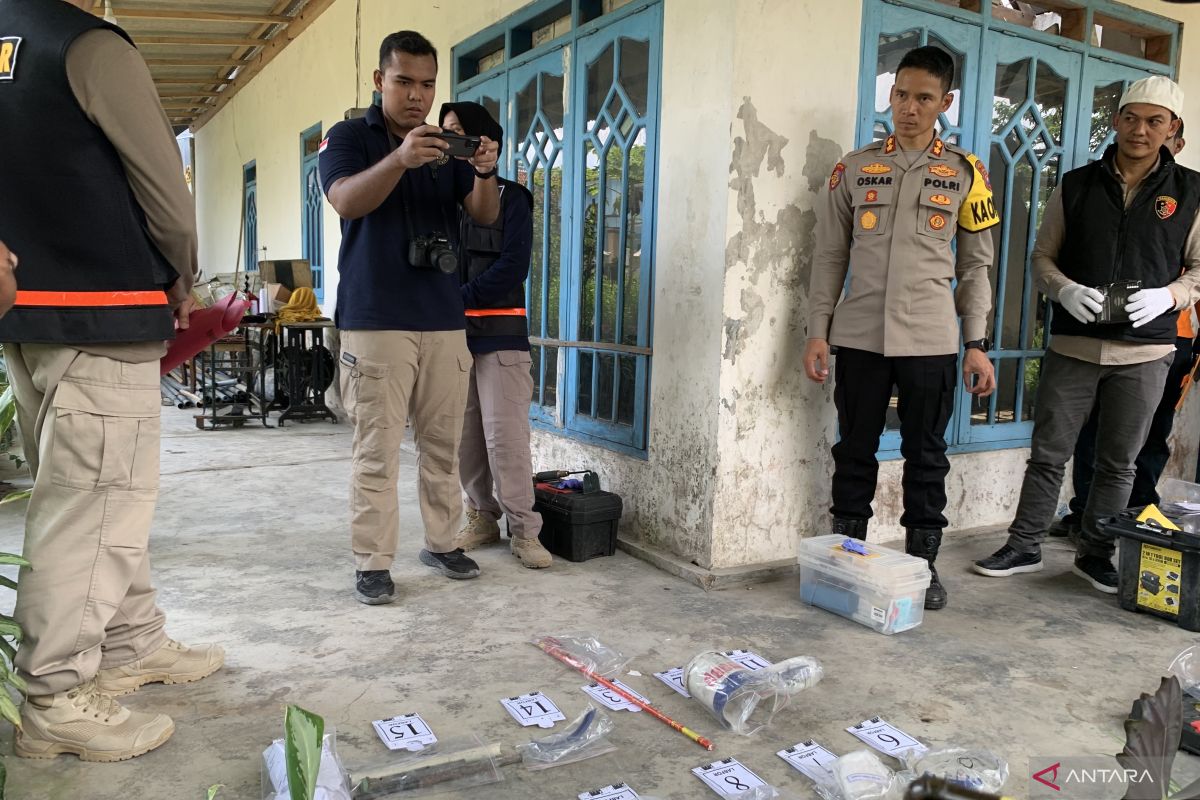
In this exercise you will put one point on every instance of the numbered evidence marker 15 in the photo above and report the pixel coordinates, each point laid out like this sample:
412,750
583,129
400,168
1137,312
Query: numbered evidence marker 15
810,758
533,709
405,732
616,791
728,777
674,679
886,738
611,700
748,659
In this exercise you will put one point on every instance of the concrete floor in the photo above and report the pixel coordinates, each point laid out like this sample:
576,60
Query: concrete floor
250,550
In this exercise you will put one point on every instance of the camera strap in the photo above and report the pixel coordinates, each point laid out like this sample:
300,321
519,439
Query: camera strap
404,201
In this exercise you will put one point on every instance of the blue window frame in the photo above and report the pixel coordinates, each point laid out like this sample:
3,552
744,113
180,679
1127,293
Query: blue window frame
1033,104
575,85
312,209
250,217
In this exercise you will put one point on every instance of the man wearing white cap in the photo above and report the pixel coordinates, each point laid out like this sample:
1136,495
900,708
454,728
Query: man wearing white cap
1113,238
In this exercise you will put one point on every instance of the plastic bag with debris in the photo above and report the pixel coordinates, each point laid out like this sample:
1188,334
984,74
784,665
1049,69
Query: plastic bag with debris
332,781
586,737
861,775
585,650
973,768
745,700
1186,667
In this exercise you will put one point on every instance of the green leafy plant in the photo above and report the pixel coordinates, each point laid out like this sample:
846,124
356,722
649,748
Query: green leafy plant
1152,734
303,733
10,635
214,789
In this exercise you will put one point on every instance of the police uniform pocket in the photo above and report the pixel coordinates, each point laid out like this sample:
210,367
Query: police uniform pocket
872,210
365,390
516,378
937,216
106,437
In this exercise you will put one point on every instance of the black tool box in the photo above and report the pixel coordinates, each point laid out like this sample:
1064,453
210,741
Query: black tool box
577,525
1159,570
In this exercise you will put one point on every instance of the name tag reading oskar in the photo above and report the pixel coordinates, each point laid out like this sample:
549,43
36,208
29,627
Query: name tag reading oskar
405,732
533,709
728,777
10,46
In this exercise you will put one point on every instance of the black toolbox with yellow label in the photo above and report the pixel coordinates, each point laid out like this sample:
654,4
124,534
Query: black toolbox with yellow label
1159,570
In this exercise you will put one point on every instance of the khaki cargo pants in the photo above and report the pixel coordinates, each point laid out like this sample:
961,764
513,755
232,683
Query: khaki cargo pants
387,377
91,431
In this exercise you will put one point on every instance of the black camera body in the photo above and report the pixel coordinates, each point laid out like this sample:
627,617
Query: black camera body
433,251
1116,297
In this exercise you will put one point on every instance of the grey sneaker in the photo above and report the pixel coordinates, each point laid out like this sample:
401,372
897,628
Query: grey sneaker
453,564
480,530
374,587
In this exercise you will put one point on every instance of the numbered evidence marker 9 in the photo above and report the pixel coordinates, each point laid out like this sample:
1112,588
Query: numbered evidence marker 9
616,791
611,700
728,777
810,758
886,738
674,679
748,659
533,709
405,732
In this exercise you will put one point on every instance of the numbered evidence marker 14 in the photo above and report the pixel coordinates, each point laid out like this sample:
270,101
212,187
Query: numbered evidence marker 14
616,791
810,758
886,738
674,679
728,777
533,709
405,732
611,700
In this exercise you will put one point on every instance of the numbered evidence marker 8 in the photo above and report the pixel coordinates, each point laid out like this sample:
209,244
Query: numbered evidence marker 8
748,659
611,700
674,679
405,732
616,791
886,738
728,777
533,709
810,758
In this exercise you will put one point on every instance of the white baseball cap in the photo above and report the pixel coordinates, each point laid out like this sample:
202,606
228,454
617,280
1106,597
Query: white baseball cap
1155,90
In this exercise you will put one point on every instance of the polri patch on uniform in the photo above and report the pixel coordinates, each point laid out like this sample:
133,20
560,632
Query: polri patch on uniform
943,171
983,173
1165,206
872,196
9,47
868,221
940,200
875,169
836,177
937,221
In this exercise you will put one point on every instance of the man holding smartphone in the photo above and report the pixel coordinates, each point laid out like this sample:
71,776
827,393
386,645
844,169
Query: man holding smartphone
1127,220
399,308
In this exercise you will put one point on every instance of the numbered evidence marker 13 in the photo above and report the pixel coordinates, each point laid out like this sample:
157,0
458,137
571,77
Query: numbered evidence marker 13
728,777
810,758
748,659
611,700
616,791
533,709
405,732
886,738
674,679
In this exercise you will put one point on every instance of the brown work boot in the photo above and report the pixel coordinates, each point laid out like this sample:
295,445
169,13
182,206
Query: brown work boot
171,663
88,723
480,531
531,552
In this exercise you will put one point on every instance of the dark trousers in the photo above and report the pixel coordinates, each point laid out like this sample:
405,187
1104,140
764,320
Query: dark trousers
863,384
1152,459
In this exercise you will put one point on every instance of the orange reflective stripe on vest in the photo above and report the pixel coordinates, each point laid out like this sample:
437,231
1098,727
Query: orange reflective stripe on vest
90,299
495,312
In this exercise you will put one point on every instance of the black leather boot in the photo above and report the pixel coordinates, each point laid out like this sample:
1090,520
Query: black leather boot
854,528
924,543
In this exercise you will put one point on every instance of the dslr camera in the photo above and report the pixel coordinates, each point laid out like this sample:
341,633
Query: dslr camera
1116,297
433,251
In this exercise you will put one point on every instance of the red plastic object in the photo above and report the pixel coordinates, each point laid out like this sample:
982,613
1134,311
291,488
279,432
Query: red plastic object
205,326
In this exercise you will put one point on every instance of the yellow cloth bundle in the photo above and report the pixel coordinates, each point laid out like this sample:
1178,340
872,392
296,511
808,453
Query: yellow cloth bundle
301,307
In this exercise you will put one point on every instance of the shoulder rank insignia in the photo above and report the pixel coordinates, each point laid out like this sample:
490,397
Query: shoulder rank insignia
1165,206
938,146
9,45
889,146
940,199
875,169
943,171
836,177
869,220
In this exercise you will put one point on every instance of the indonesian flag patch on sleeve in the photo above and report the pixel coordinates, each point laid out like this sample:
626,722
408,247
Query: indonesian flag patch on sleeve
321,147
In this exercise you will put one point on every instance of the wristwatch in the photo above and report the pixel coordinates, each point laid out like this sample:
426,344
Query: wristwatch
978,344
483,176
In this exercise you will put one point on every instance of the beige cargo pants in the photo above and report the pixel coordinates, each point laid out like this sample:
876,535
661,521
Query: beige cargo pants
91,431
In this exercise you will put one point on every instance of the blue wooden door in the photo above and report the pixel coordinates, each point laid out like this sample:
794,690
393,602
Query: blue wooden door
250,217
312,209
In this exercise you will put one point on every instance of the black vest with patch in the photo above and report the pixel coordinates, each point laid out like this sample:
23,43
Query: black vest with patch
89,272
1107,242
481,246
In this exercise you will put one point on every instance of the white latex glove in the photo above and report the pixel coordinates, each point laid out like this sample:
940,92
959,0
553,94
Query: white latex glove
1147,304
1081,302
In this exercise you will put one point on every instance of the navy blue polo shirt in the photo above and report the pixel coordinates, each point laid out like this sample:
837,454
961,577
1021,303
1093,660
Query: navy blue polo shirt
377,288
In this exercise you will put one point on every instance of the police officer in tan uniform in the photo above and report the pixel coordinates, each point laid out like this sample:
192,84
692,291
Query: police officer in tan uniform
891,213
